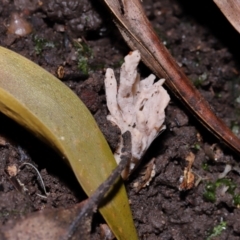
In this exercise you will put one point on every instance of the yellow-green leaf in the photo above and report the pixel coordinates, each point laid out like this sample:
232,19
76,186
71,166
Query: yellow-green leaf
44,105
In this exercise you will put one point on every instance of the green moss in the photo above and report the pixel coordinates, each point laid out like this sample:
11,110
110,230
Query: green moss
236,199
40,44
210,196
83,65
118,64
210,192
211,187
196,146
205,166
84,53
199,81
226,182
217,230
97,66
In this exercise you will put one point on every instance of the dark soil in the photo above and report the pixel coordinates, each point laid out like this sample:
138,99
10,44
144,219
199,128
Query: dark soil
207,48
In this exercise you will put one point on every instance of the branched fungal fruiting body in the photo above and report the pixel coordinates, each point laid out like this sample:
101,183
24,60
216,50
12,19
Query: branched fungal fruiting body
136,106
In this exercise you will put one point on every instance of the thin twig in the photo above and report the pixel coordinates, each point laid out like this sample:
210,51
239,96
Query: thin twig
96,198
39,176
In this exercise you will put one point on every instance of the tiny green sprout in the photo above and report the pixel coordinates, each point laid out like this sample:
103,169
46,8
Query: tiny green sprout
83,65
235,128
217,230
41,44
227,182
205,166
97,66
119,63
236,199
84,52
199,81
210,196
210,192
218,95
196,146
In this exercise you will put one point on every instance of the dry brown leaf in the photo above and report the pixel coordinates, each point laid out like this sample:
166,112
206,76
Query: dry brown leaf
187,181
231,10
147,176
47,224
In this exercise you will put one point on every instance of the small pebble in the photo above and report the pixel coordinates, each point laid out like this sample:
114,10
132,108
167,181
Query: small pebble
19,26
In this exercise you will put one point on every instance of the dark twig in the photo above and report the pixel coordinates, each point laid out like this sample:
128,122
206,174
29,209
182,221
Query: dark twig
93,202
39,176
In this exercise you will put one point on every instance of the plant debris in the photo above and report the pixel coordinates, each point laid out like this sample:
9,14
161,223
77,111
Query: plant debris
148,174
187,181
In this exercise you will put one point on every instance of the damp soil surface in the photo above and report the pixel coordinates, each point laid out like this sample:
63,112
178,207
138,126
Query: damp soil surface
76,41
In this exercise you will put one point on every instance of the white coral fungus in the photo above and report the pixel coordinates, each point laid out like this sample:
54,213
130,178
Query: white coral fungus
136,106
